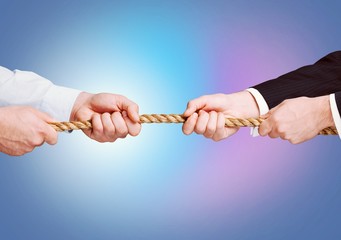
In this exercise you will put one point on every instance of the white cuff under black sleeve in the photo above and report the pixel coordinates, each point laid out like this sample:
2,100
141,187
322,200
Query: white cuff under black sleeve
262,106
335,113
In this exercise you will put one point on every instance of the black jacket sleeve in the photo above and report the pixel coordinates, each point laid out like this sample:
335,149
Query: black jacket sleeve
321,78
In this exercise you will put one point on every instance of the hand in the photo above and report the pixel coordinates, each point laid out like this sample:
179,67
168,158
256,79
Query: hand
213,109
298,119
112,116
23,129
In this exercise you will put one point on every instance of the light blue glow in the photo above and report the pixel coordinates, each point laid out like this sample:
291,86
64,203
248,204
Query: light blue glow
162,184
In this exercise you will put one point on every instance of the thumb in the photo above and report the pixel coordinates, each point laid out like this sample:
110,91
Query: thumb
130,107
50,135
265,116
133,112
265,128
194,105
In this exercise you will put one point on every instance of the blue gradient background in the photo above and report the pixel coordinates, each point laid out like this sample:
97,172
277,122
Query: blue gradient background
163,184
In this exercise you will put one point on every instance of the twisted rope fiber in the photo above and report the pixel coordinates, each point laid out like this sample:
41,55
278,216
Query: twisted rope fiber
174,118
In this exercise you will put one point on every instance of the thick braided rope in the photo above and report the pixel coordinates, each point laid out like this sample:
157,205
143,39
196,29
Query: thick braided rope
174,118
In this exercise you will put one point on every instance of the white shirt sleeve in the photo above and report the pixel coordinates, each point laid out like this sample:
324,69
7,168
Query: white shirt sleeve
262,106
335,113
27,88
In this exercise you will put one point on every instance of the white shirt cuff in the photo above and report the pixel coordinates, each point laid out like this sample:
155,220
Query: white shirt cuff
5,74
335,113
59,102
262,106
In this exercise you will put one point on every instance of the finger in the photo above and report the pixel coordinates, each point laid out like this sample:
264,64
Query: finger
120,125
50,135
273,134
129,106
194,105
134,128
265,128
109,130
211,125
285,136
133,113
202,122
221,131
97,128
189,124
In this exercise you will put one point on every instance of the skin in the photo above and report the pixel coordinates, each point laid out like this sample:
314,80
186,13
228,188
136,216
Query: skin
297,120
206,114
113,116
24,128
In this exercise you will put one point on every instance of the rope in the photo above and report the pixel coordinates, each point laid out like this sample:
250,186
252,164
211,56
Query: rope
174,118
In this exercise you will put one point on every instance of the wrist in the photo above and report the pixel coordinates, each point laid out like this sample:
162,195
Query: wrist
81,101
324,111
244,104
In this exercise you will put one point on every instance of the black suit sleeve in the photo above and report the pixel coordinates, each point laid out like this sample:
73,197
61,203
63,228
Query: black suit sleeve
319,79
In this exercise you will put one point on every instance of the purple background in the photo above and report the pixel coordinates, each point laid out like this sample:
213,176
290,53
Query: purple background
163,184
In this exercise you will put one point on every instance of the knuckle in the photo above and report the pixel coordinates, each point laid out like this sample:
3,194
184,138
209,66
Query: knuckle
286,136
36,140
112,139
122,133
281,130
28,150
106,115
23,150
97,131
208,135
54,141
204,113
97,138
261,131
272,136
293,141
210,129
110,133
216,138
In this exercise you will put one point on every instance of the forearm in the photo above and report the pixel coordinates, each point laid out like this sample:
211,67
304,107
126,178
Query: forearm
319,79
